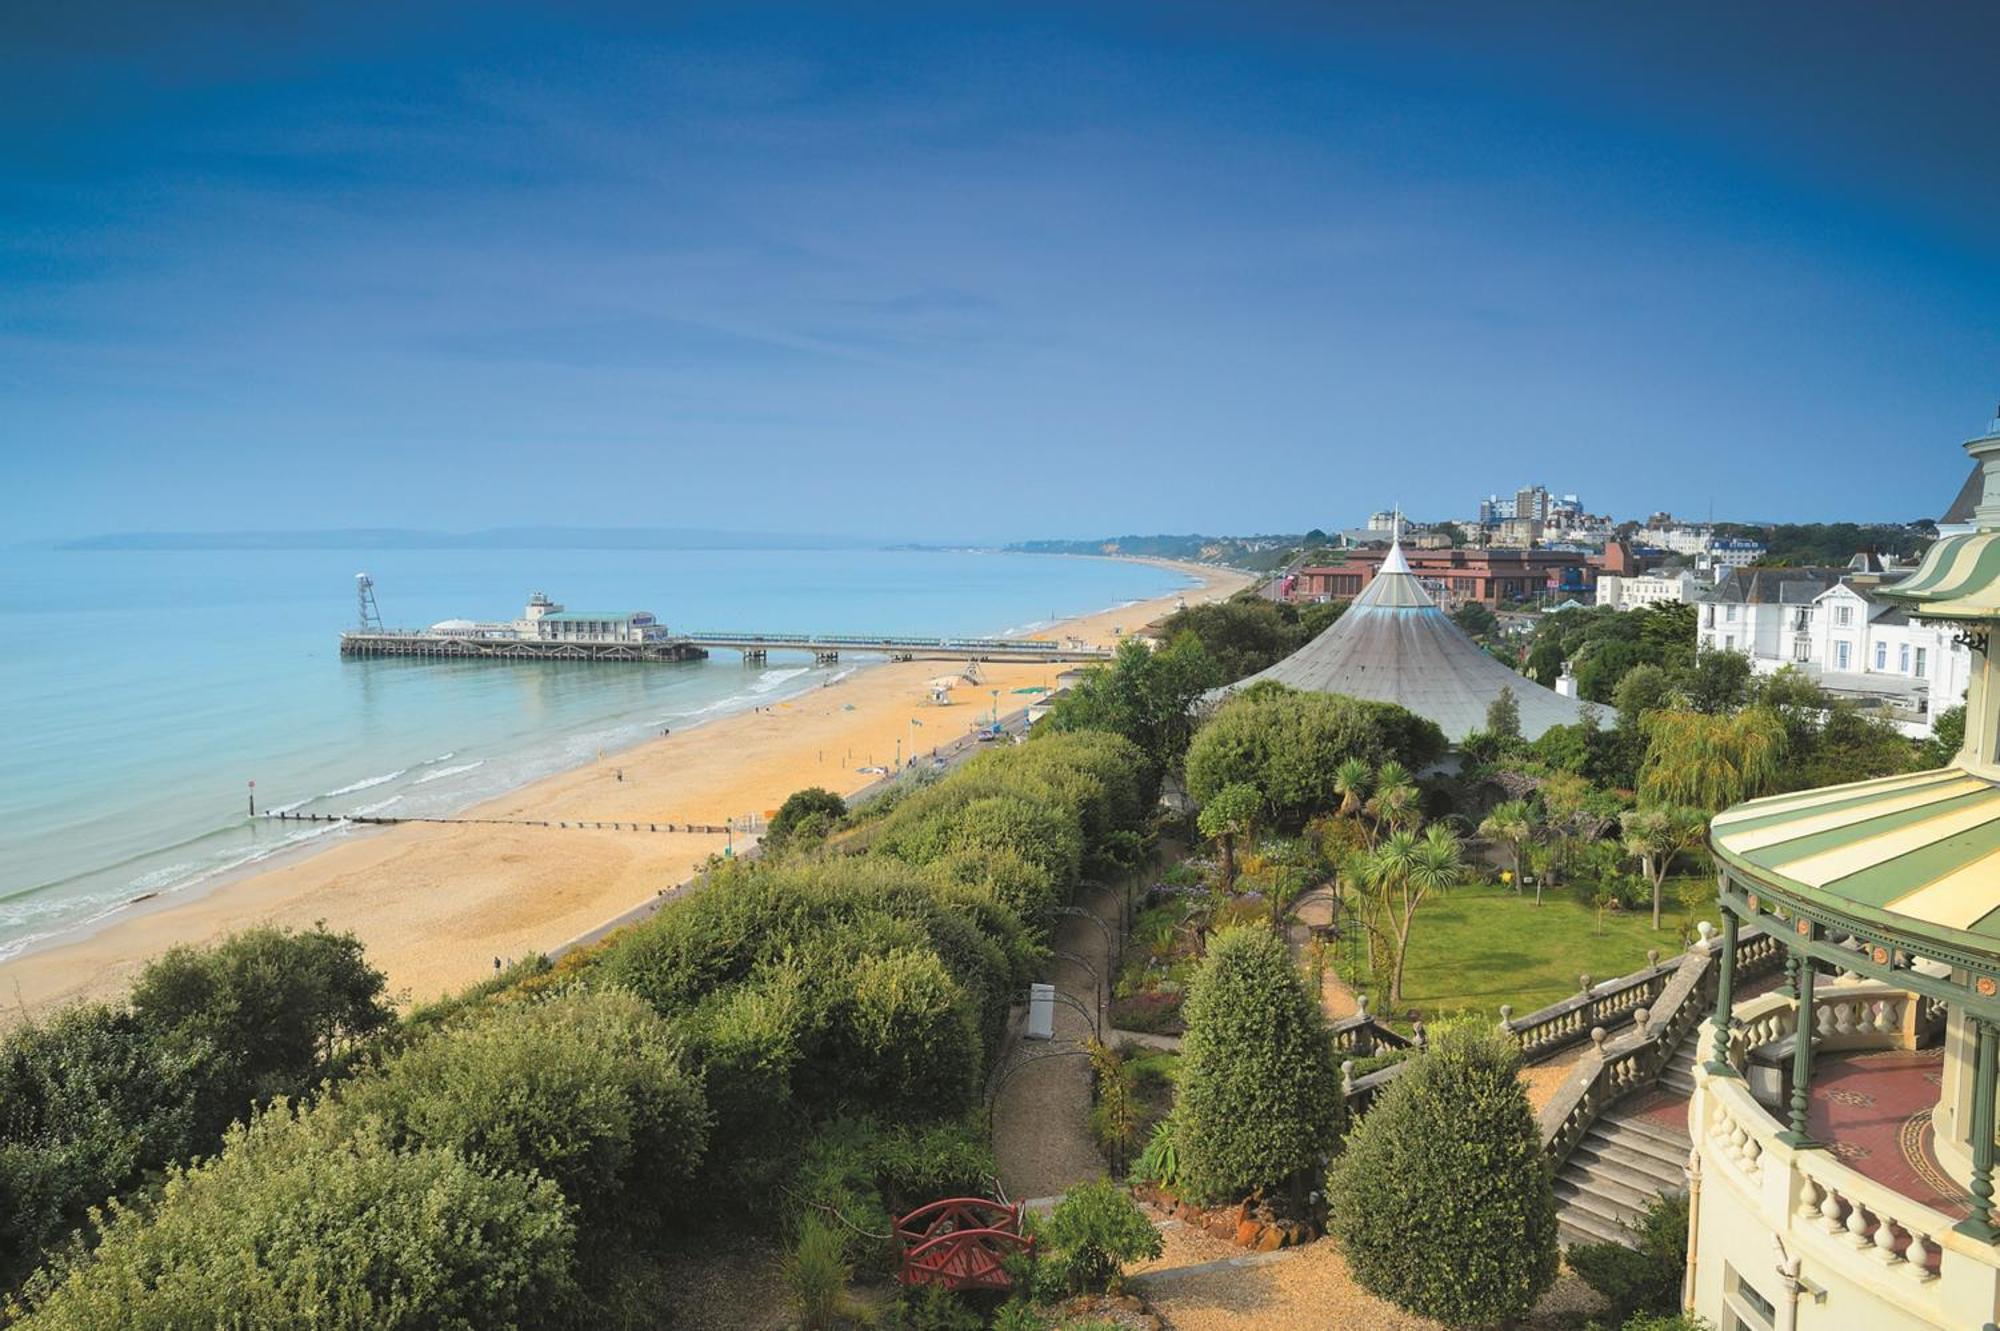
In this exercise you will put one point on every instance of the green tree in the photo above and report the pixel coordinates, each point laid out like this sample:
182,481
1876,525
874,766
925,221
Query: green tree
89,1102
1645,688
1228,816
300,1224
1259,1098
1710,761
1512,823
1655,834
585,1089
1451,1152
1401,874
1720,682
805,818
1947,737
274,1008
1503,716
1147,696
1642,1279
1291,745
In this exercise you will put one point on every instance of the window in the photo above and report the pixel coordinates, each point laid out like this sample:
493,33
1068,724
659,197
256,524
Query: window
1881,656
1920,662
1843,615
1903,658
1731,614
1729,642
1802,648
1842,655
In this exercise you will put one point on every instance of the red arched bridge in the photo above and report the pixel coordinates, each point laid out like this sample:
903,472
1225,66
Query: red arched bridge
961,1243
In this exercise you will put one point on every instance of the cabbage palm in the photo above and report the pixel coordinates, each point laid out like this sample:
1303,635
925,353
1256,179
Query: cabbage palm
1403,872
1512,822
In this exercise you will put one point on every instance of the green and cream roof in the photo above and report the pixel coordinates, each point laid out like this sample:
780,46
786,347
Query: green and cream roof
1913,857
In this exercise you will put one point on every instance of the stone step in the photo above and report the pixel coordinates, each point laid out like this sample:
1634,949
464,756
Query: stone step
1630,1193
1573,1227
1630,1167
1678,1082
1641,1133
1610,1214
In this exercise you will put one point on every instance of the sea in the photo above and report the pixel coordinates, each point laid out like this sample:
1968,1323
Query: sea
147,689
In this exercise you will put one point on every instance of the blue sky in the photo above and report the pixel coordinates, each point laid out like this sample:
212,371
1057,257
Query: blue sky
989,271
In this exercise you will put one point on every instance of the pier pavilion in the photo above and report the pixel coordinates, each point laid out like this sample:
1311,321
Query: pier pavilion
1844,1126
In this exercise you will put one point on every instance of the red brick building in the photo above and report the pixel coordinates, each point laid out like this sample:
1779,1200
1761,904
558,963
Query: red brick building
1495,577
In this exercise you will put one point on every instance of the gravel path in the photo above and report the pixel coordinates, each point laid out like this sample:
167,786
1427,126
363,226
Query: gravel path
1041,1128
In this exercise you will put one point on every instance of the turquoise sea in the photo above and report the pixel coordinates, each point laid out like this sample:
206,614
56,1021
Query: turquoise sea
147,688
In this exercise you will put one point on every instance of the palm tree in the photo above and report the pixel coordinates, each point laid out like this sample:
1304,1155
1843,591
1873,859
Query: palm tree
1229,815
1351,781
1395,802
1403,872
1512,822
1655,835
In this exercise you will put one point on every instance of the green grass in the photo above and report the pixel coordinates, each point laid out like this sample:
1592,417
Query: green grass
1476,948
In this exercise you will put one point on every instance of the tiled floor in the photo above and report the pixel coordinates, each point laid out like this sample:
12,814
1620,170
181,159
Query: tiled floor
1874,1110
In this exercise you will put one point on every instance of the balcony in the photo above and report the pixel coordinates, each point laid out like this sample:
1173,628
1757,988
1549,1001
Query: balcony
1862,1218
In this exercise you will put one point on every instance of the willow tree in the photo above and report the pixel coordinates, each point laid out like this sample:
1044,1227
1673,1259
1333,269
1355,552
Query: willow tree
1710,762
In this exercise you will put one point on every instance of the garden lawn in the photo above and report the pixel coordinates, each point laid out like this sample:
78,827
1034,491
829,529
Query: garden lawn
1475,948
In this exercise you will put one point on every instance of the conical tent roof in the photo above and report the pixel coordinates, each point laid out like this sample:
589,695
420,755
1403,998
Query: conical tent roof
1394,645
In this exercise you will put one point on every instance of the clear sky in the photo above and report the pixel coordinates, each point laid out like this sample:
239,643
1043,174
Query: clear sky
960,271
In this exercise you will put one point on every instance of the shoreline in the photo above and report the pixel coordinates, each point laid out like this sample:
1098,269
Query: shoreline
436,904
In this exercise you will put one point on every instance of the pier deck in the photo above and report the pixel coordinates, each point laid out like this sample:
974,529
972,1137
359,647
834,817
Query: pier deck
395,642
901,647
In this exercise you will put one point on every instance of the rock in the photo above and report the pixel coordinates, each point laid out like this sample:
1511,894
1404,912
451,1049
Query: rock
1270,1238
1249,1234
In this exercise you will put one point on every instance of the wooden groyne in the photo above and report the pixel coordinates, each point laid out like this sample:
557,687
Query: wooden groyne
585,824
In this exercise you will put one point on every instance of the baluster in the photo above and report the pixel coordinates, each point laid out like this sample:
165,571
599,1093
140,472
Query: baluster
1810,1194
1919,1256
1885,1241
1829,1211
1857,1226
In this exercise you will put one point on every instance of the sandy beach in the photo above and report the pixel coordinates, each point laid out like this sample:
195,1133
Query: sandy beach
435,904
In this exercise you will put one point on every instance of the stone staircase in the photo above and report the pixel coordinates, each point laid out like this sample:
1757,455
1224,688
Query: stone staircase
1628,1158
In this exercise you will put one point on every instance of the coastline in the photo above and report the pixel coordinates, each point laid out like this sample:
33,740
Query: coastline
436,904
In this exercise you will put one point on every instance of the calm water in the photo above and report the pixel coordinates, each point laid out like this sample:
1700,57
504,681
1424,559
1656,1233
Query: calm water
146,688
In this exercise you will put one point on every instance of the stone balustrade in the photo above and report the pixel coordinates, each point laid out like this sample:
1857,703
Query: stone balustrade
1847,1015
1844,1228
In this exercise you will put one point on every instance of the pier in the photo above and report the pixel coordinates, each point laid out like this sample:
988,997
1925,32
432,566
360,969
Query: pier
451,646
827,647
546,631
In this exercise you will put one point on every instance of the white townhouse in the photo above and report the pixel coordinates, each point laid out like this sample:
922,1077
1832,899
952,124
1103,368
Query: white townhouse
1832,625
1631,591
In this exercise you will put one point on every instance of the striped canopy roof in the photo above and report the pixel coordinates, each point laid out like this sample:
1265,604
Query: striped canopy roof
1959,579
1918,855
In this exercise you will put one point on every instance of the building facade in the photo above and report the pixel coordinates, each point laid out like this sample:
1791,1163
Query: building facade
1494,577
1839,629
1844,1125
1631,591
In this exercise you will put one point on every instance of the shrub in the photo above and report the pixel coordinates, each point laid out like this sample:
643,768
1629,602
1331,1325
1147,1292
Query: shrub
1648,1278
804,818
1160,1162
1259,1095
1094,1231
584,1089
1450,1150
816,1272
297,1223
88,1102
274,1008
1288,745
906,1041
